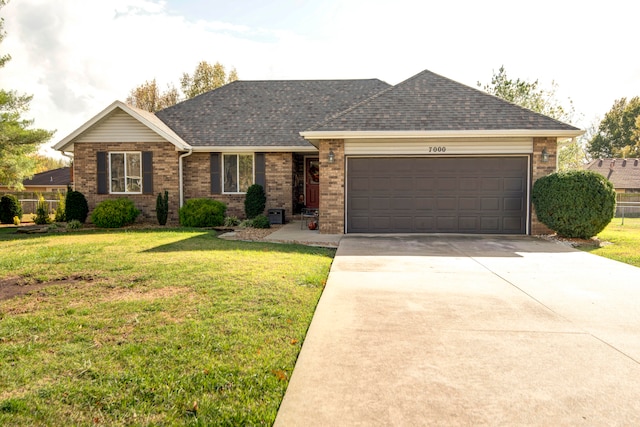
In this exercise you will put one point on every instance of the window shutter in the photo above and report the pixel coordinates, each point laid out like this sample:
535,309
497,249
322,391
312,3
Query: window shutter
216,186
102,172
260,169
147,172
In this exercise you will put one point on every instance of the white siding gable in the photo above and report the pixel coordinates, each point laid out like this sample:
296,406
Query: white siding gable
119,126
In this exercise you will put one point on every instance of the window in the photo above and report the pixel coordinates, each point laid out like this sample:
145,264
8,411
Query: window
125,172
238,172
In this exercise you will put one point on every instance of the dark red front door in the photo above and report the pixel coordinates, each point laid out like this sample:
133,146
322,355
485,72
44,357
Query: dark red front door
312,180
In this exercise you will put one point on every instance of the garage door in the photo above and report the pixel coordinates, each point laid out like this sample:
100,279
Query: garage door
437,195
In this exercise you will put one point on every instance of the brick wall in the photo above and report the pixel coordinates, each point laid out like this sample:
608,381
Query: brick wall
540,169
165,176
332,180
279,183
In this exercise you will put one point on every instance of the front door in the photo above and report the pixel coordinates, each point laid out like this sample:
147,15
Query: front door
312,182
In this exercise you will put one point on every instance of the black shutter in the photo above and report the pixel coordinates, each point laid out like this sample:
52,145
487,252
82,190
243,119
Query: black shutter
214,161
102,172
147,172
260,169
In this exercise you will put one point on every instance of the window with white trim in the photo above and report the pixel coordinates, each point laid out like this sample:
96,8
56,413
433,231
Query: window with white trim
237,172
125,172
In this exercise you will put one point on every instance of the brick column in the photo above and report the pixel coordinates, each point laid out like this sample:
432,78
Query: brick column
540,169
332,187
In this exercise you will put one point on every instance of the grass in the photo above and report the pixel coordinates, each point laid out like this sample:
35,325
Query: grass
624,239
171,327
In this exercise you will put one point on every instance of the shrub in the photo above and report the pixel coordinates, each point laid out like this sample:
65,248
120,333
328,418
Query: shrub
74,224
162,208
114,213
16,220
42,212
202,213
574,203
231,221
59,214
247,223
261,221
255,201
75,206
9,207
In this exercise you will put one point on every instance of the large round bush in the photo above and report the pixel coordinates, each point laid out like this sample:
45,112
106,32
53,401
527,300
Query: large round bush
9,207
574,203
114,213
202,213
76,206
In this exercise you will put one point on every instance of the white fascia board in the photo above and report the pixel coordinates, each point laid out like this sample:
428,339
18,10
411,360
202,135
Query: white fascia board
255,149
317,135
161,130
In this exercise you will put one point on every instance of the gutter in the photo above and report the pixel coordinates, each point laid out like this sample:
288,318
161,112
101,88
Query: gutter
180,184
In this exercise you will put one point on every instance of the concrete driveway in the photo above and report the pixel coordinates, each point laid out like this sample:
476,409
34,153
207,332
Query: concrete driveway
456,330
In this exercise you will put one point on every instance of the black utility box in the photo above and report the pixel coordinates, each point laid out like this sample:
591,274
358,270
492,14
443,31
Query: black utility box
276,216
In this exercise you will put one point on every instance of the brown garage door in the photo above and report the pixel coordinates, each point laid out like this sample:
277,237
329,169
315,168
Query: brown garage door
437,195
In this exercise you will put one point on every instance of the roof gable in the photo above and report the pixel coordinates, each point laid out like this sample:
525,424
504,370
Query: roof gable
120,122
623,173
428,102
267,113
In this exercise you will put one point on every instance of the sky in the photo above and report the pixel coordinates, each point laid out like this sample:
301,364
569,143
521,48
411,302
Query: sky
78,56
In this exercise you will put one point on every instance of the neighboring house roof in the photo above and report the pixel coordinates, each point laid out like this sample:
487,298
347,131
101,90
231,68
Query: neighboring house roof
428,102
60,176
623,173
144,117
264,113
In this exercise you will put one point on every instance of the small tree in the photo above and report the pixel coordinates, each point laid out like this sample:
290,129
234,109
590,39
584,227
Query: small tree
9,208
574,203
60,216
42,212
162,208
255,201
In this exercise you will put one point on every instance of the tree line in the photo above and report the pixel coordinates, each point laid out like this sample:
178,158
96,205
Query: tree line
205,77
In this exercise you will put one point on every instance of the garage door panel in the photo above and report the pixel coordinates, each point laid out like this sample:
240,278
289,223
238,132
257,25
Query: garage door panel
430,194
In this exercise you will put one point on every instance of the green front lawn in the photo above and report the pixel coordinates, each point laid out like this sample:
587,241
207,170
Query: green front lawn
624,239
170,327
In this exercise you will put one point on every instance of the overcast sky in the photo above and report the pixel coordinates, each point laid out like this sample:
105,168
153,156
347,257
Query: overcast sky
78,56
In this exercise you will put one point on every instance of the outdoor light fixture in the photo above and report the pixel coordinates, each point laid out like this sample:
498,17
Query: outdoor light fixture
545,155
332,156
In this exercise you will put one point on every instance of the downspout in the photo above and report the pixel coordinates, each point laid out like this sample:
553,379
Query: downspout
70,157
181,189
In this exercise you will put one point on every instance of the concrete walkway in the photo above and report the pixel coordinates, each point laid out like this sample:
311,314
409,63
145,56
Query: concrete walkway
292,232
454,330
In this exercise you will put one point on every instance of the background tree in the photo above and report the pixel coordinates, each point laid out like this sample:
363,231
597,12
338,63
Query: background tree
544,101
45,163
17,141
206,77
618,134
148,96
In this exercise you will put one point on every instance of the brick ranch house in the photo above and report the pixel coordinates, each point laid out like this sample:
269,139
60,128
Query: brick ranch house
427,155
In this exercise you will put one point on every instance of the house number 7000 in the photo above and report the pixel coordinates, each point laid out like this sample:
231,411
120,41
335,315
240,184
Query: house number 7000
437,149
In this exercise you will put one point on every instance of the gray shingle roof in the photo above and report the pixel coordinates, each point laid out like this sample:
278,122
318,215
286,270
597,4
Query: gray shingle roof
430,102
264,113
60,176
623,173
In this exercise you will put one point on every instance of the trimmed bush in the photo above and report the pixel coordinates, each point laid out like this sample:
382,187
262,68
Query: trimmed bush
114,213
75,206
261,221
162,208
255,201
42,212
574,203
9,208
202,213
